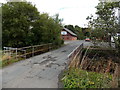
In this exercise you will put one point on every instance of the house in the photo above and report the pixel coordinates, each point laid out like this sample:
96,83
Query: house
67,34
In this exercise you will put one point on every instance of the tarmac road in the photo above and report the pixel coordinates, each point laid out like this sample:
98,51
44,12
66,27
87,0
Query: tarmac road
39,71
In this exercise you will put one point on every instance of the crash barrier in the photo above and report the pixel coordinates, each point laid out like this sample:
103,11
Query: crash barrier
26,52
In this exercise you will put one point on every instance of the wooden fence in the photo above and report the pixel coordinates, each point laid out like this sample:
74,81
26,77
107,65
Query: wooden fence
26,52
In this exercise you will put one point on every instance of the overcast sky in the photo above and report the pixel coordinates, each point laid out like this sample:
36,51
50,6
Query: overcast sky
72,11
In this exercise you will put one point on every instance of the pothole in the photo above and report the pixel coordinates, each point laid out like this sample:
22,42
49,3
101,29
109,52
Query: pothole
64,51
43,62
50,65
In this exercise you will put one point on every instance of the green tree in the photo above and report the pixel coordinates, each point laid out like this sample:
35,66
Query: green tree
23,25
77,30
17,17
105,25
71,27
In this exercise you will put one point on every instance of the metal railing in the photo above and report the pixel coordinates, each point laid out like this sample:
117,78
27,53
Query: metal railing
28,51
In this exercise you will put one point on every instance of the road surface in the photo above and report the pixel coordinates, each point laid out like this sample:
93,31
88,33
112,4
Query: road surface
39,71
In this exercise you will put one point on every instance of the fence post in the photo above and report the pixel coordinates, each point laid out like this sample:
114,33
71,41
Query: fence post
25,54
16,53
10,54
4,51
32,51
48,47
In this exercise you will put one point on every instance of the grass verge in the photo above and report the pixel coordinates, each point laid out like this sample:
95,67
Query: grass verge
4,63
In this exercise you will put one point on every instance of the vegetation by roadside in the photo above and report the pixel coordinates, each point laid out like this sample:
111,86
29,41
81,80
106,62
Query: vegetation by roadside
6,62
77,78
98,69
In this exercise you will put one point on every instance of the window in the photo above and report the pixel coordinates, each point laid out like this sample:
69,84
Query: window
64,33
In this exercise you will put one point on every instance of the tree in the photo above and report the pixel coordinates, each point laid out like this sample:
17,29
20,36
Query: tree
23,25
105,25
71,27
57,30
17,19
77,30
16,0
0,27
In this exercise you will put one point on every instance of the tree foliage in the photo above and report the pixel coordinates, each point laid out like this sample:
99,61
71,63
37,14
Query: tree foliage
23,25
77,30
105,24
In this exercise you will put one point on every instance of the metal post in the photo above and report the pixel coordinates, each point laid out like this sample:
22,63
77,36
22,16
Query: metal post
25,54
4,51
9,52
16,53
